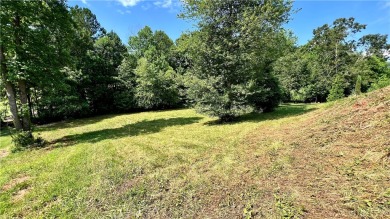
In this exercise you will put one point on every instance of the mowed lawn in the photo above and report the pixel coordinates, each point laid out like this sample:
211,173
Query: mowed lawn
166,164
121,164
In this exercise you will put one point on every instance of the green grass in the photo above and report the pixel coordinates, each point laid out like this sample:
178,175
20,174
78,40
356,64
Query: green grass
121,165
179,164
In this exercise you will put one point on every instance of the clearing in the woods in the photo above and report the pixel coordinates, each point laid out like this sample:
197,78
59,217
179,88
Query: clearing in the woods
303,160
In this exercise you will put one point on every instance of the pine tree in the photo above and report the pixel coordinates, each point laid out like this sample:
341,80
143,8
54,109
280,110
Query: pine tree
358,86
337,90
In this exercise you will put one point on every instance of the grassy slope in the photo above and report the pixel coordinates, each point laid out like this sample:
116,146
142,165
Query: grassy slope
315,161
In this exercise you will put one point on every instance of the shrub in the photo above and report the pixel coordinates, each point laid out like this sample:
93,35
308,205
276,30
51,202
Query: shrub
337,90
382,82
358,86
25,139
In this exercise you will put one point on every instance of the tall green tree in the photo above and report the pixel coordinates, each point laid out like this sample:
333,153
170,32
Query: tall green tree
87,31
69,98
155,84
337,90
375,45
294,75
238,41
334,51
100,79
34,39
124,98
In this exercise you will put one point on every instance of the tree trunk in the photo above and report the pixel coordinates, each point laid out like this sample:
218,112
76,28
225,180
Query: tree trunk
26,122
36,103
10,92
30,105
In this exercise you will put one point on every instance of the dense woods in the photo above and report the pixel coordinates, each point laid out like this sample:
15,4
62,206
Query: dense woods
59,62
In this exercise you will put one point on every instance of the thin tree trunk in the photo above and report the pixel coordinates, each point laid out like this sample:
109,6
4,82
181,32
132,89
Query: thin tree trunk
30,105
10,92
25,107
26,122
36,103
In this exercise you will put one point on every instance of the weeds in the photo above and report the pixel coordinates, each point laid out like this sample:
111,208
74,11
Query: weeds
286,208
25,139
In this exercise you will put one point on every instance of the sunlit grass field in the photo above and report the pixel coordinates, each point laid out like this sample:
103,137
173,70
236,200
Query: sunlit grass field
118,164
178,164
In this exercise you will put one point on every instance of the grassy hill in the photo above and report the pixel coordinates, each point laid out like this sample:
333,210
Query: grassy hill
312,161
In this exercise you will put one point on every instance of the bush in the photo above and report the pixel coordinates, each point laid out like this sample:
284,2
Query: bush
124,101
266,95
25,139
382,82
337,90
358,86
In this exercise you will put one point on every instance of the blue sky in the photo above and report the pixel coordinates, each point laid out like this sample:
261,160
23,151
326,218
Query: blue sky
127,17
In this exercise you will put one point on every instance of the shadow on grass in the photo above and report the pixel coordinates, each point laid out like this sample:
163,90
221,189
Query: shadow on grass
283,111
73,123
4,131
139,128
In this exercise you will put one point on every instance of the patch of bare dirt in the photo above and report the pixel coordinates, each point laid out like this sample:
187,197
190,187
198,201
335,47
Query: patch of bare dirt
3,153
19,195
23,188
15,182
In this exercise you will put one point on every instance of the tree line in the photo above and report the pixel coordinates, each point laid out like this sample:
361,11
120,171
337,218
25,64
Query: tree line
58,62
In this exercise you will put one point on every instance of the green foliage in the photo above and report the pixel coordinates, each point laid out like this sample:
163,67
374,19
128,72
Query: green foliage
294,76
333,52
208,99
376,45
286,207
382,82
230,73
248,211
62,63
34,47
309,73
25,139
145,39
156,86
99,80
124,98
337,90
4,111
146,72
63,102
22,139
358,86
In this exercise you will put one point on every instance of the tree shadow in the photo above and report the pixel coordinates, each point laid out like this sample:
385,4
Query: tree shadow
72,123
283,111
140,128
4,131
85,121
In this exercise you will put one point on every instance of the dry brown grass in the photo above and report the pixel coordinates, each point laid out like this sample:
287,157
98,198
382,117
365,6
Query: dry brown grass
333,162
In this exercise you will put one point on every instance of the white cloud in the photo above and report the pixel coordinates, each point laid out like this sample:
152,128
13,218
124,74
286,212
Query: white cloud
129,3
163,3
84,1
386,5
146,4
123,12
